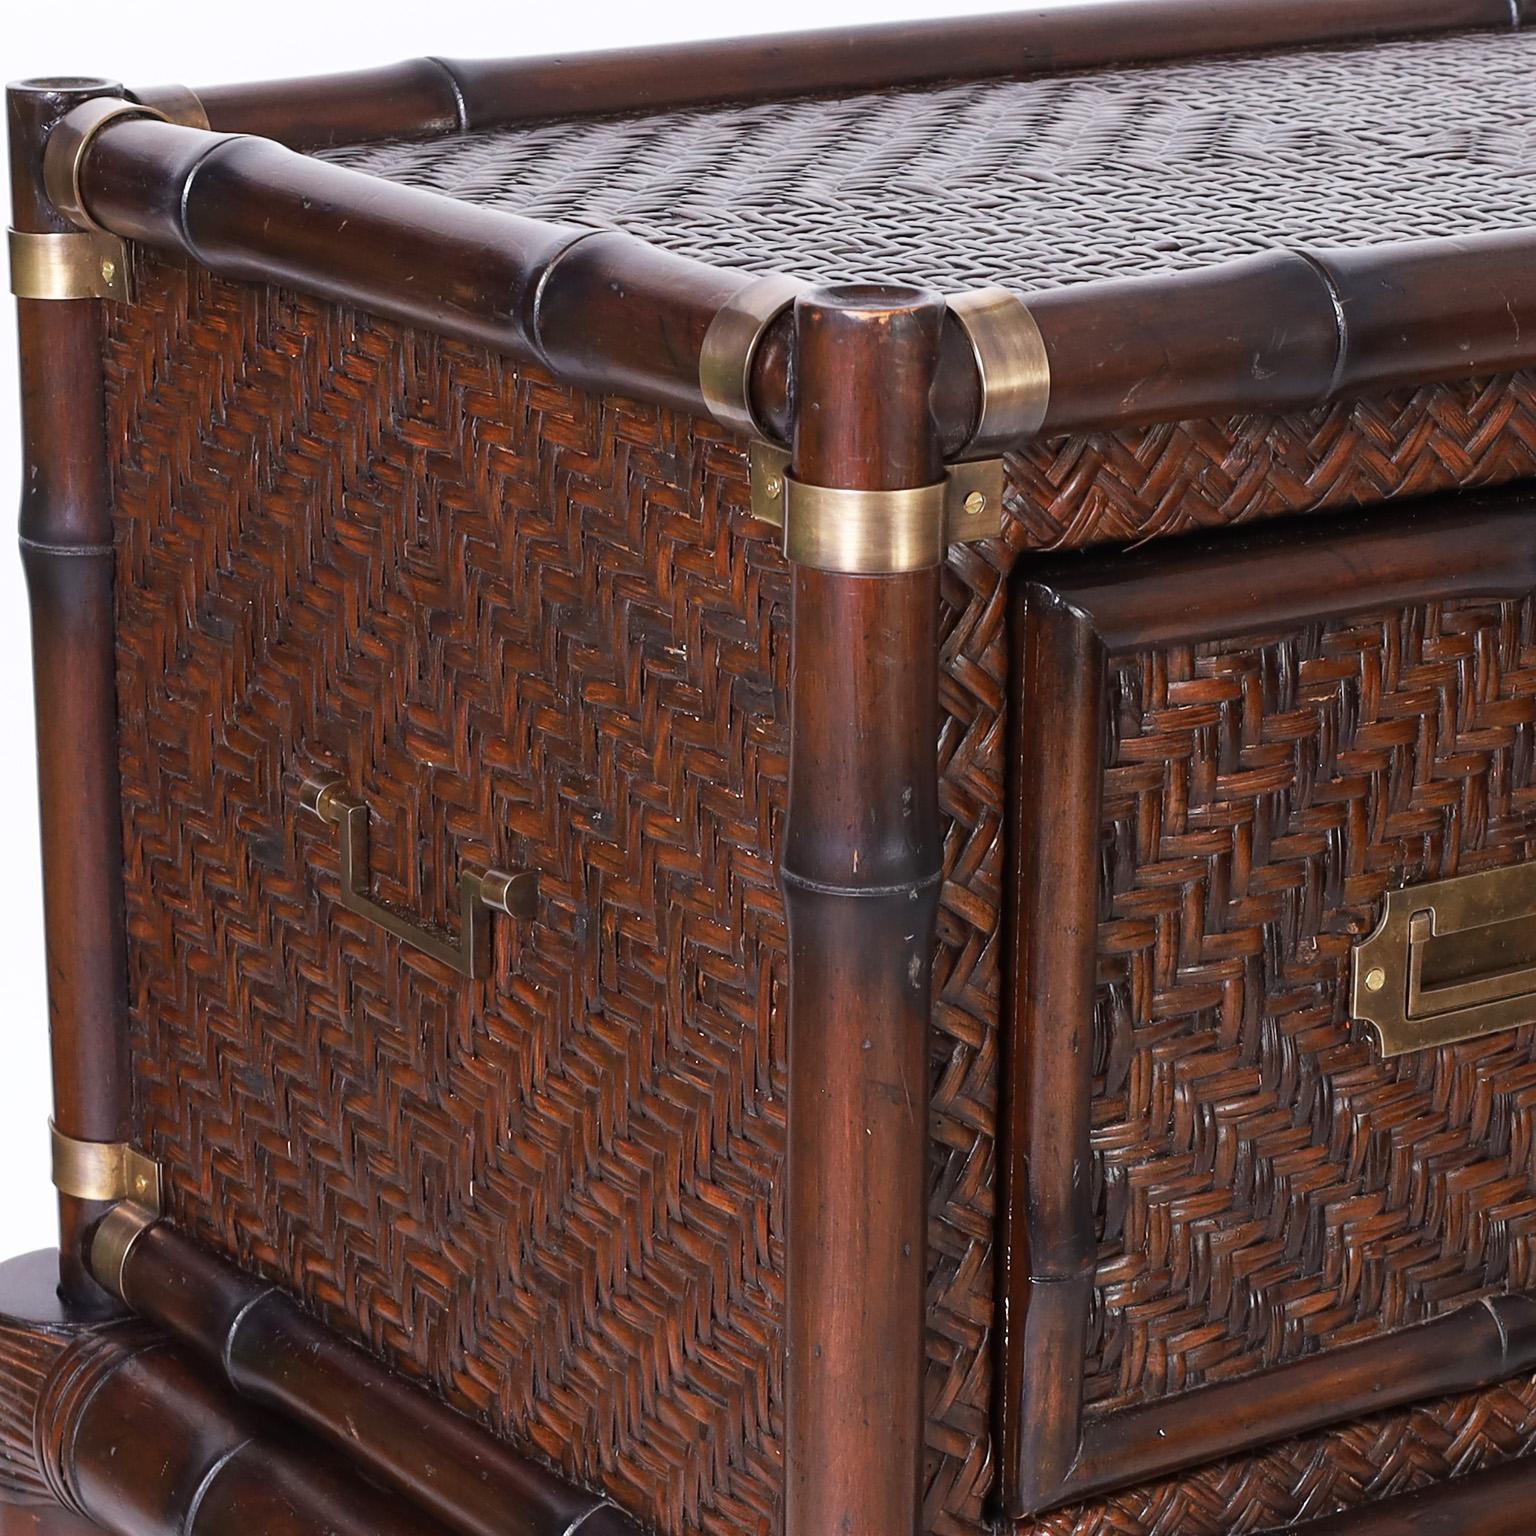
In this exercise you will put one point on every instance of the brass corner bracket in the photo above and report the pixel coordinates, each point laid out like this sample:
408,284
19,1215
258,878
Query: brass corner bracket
178,104
70,142
105,1171
876,532
883,532
115,1236
730,348
89,262
1012,364
80,264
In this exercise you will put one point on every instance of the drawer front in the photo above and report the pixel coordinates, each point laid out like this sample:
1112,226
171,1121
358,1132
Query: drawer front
1222,1191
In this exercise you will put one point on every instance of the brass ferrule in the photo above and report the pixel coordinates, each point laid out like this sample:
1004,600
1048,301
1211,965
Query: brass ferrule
730,349
114,1239
69,144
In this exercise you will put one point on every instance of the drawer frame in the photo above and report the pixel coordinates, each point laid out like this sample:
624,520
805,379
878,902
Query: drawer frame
1069,618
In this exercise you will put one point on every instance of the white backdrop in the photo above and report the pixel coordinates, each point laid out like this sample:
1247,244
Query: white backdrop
201,44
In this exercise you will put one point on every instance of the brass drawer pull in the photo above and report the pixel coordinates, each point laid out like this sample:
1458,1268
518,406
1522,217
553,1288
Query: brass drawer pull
469,953
1450,961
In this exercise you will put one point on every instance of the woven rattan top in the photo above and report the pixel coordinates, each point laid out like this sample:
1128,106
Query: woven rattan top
1035,183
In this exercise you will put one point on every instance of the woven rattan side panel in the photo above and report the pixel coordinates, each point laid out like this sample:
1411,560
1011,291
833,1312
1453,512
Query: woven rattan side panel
524,626
532,628
1175,476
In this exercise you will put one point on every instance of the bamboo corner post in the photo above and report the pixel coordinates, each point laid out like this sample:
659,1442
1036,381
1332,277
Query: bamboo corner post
861,869
868,507
62,276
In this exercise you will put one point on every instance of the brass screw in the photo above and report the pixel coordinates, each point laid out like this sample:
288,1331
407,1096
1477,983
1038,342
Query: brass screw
141,1185
975,504
108,270
1375,979
773,487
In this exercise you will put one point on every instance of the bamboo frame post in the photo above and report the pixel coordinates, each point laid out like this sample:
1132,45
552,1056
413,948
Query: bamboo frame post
66,543
109,1423
42,1522
861,869
259,1344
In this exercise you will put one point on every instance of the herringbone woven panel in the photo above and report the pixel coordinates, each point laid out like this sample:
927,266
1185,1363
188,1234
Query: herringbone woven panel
1128,486
522,624
532,627
1267,1184
1307,1478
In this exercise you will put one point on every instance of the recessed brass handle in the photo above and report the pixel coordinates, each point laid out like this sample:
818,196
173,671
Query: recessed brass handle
480,892
1450,961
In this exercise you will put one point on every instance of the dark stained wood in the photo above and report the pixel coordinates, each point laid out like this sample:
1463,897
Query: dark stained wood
861,867
66,544
1419,303
1316,568
1498,1502
1475,1347
1285,330
1069,614
603,309
1046,1226
251,209
418,97
124,1431
872,388
37,1328
272,1353
428,96
146,1446
1256,331
42,1522
608,311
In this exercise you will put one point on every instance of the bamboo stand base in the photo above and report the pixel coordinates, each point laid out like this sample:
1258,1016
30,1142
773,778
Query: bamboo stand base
42,1522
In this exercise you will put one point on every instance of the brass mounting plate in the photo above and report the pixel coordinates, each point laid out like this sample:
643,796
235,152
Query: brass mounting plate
876,532
83,264
1450,961
104,1170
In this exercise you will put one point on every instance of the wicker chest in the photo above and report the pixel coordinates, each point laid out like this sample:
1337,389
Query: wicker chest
790,787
